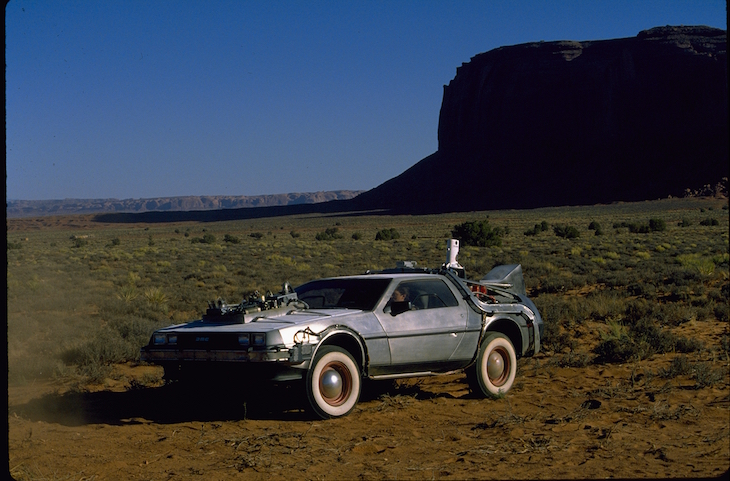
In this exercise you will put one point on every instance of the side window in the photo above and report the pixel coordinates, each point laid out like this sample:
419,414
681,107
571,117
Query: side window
425,294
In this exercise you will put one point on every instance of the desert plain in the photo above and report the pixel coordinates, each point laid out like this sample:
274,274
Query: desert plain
633,380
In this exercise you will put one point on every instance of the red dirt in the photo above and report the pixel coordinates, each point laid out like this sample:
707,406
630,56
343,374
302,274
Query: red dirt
596,421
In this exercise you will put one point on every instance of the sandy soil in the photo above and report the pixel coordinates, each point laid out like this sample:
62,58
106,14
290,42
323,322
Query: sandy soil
597,421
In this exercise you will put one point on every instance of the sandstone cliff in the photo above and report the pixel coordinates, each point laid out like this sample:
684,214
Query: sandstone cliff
561,123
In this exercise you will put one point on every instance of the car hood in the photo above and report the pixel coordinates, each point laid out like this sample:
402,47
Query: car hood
266,321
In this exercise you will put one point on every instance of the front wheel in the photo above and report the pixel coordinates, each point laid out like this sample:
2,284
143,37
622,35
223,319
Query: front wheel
333,383
496,366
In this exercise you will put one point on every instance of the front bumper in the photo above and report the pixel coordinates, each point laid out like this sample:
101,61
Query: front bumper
298,354
153,355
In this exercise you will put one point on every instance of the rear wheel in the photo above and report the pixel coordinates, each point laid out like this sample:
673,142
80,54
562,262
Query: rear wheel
496,366
333,383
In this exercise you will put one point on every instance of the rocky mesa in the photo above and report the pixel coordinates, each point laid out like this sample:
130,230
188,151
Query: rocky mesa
25,208
573,123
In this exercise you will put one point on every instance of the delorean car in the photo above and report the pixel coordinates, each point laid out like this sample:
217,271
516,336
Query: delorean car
334,333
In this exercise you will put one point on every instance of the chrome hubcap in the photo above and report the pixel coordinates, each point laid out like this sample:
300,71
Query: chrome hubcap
331,384
498,366
495,365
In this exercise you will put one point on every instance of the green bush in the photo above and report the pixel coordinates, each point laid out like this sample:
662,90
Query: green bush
709,222
206,239
79,242
657,225
654,225
387,234
542,227
566,232
595,226
638,228
478,234
231,239
331,233
643,339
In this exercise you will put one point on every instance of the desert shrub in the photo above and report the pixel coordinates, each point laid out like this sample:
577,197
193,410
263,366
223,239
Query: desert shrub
615,345
638,228
725,345
155,296
566,232
657,225
642,289
686,344
206,239
702,265
684,223
295,234
641,340
652,338
680,366
478,234
705,375
654,225
94,357
331,233
722,312
128,293
356,236
256,235
595,226
709,222
541,227
387,234
14,245
77,242
231,239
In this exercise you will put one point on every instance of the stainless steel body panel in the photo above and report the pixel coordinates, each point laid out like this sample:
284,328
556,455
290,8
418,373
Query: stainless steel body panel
441,332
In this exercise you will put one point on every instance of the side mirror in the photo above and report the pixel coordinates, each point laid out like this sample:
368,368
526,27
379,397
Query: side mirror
399,307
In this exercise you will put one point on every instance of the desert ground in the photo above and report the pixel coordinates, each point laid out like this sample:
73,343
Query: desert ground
564,418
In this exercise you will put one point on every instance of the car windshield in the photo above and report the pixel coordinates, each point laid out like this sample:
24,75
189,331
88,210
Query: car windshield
343,293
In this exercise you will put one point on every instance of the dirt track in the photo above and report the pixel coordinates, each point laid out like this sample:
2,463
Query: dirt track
598,421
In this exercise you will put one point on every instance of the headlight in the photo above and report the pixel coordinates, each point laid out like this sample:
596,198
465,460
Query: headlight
244,340
172,338
159,339
259,339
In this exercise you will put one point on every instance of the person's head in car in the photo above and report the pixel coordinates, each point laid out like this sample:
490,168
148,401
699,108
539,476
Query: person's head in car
400,294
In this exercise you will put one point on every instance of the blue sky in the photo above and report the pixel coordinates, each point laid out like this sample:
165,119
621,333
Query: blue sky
153,98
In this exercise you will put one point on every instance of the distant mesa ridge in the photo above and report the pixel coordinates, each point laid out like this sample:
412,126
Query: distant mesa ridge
25,208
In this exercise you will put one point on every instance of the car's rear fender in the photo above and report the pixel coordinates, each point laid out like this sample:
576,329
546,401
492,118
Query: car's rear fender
510,328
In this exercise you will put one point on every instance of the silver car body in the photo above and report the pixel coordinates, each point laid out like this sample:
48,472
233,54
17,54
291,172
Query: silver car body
439,331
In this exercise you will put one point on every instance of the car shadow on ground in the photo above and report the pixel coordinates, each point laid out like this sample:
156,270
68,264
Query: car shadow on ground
179,402
167,404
